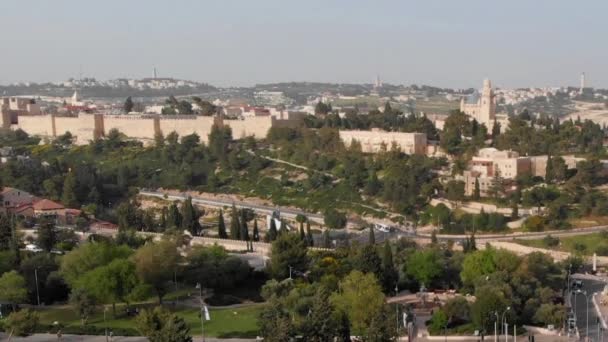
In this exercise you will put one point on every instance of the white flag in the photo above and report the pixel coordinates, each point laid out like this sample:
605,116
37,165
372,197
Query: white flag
207,318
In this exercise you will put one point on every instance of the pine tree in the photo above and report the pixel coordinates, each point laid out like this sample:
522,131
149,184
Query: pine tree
477,190
272,232
309,238
221,227
256,232
128,106
320,324
302,234
372,236
235,225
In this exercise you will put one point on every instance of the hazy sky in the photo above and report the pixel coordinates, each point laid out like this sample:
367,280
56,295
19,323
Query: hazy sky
224,42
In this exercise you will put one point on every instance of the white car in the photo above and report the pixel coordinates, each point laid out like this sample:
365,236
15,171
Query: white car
383,227
33,248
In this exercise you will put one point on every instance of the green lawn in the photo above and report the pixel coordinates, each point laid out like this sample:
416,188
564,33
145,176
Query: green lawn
582,244
436,104
238,322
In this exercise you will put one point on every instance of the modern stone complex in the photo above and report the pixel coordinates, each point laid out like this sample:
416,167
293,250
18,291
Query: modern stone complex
376,140
86,127
491,162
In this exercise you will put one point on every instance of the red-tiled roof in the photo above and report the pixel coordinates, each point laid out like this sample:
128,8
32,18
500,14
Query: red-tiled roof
73,212
45,204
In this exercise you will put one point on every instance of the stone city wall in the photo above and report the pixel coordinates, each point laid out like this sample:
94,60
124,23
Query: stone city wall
86,127
41,125
83,127
254,126
186,125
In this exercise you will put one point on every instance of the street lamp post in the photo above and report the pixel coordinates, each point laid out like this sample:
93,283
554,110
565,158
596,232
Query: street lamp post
105,325
37,292
200,294
496,326
175,282
397,306
503,322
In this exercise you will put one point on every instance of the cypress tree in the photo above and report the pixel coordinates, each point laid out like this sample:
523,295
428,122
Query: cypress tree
235,226
163,218
5,232
272,232
326,239
256,232
476,191
389,273
344,328
221,227
515,211
472,243
68,198
189,219
549,173
309,238
174,218
14,245
244,235
302,235
372,236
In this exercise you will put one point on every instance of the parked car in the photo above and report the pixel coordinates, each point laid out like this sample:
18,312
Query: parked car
33,248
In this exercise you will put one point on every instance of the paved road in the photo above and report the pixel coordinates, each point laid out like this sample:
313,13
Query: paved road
292,213
524,236
581,308
220,203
